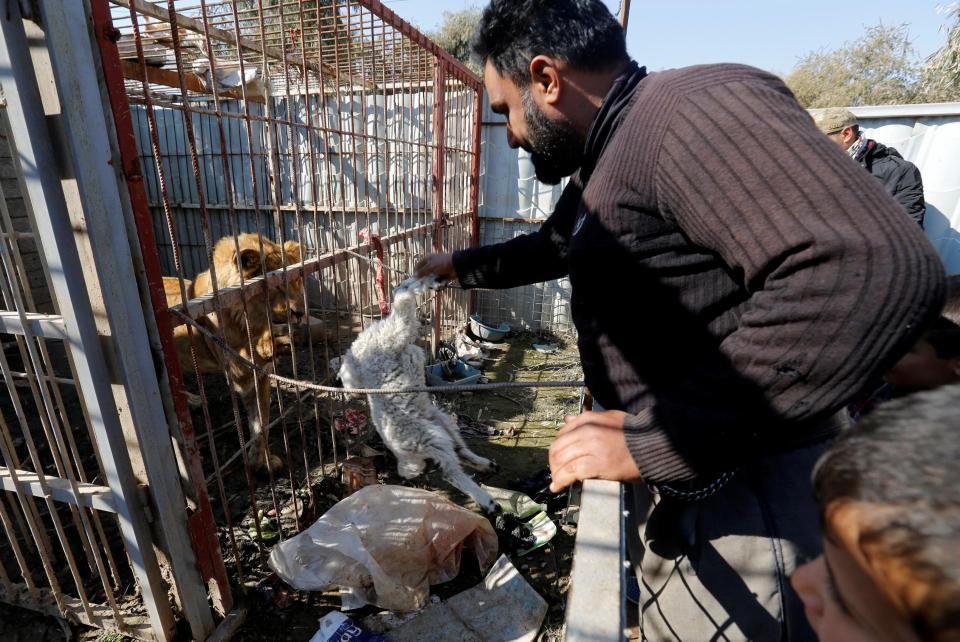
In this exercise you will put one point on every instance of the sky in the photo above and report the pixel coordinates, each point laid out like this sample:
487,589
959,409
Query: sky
772,35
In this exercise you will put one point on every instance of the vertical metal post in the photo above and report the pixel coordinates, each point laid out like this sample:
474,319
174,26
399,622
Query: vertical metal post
475,184
439,160
75,71
624,13
42,181
201,525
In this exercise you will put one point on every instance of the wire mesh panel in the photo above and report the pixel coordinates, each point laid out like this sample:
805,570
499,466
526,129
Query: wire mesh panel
297,158
75,538
62,549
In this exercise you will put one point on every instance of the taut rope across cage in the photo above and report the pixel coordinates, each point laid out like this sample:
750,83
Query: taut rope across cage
316,387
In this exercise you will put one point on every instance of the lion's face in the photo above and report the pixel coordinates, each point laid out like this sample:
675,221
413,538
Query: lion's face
274,257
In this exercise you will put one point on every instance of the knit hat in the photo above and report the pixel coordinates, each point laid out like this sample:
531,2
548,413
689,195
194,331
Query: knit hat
831,121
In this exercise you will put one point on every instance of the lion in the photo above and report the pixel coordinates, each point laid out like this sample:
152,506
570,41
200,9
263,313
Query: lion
253,388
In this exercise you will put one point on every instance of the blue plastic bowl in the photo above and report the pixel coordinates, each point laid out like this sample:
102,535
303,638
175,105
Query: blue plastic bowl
486,332
462,373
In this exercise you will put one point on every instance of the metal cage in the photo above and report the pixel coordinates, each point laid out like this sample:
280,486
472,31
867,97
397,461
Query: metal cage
328,126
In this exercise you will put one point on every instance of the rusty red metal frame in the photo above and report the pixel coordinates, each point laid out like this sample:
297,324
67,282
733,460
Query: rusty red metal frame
388,16
201,525
442,213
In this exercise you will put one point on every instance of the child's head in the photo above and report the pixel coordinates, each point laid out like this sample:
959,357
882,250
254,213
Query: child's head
934,360
889,495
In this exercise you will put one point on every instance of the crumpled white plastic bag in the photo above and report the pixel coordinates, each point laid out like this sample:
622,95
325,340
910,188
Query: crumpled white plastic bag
385,545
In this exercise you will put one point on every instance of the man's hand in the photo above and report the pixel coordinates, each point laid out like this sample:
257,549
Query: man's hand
440,265
591,446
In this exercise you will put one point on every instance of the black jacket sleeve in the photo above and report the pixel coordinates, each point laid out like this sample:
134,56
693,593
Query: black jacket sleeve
531,258
906,186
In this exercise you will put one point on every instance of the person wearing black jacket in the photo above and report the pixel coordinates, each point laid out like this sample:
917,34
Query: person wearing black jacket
899,177
727,264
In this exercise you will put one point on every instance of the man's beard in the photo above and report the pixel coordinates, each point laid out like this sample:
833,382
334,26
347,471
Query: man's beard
556,149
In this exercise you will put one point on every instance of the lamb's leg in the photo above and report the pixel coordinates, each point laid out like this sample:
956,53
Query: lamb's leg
408,467
464,453
441,451
454,474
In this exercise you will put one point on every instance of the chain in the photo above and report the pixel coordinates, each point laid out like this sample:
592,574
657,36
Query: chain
694,495
308,385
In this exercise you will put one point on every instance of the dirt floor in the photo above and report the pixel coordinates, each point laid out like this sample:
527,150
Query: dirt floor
524,423
513,427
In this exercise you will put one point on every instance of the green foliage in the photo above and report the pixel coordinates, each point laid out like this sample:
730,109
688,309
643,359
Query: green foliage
454,34
941,75
879,68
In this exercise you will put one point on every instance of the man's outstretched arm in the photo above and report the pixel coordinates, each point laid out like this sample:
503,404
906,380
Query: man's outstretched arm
531,258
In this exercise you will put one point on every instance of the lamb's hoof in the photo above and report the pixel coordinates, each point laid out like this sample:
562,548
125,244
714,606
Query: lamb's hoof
493,467
492,510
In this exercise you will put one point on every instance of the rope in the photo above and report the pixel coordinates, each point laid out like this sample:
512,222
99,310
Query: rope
308,385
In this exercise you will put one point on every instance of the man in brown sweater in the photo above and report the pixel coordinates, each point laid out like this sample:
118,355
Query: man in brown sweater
735,282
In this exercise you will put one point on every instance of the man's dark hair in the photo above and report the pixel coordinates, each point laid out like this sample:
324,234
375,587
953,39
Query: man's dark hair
582,33
903,459
944,337
944,332
951,309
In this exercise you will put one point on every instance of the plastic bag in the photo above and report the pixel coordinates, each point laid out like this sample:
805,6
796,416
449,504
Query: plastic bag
384,545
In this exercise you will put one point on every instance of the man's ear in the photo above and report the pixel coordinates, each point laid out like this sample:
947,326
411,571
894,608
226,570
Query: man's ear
955,367
545,79
848,135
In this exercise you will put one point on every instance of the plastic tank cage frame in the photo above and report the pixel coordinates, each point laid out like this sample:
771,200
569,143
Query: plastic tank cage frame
330,124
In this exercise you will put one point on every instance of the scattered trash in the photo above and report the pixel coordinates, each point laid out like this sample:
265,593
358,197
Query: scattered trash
337,627
471,427
514,502
524,525
358,472
537,486
512,533
384,545
546,348
533,484
446,373
505,608
472,350
227,77
486,332
543,530
387,620
268,528
352,422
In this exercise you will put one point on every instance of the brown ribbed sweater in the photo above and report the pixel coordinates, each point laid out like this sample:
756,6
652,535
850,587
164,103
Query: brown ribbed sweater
736,278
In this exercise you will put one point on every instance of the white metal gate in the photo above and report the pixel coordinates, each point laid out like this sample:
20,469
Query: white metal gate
82,402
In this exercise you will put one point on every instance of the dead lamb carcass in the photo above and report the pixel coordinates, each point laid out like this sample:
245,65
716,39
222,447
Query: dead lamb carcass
385,356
